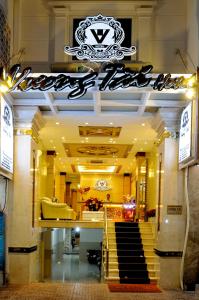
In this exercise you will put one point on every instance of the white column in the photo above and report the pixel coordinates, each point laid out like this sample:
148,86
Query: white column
61,30
170,226
144,32
23,236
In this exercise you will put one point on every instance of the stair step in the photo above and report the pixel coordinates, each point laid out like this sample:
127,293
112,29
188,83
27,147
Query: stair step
148,247
151,259
135,280
149,240
145,230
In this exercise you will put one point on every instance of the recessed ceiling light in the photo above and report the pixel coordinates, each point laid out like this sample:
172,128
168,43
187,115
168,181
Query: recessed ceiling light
135,139
86,123
106,169
190,94
57,123
111,123
143,124
63,137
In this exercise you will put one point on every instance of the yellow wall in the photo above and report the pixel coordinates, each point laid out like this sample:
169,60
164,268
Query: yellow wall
114,181
152,180
57,183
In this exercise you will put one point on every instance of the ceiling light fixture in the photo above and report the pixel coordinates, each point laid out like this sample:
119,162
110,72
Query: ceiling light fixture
105,169
190,93
57,123
143,124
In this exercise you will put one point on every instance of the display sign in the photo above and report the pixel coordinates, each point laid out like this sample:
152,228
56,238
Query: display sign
6,153
185,134
174,209
115,76
99,39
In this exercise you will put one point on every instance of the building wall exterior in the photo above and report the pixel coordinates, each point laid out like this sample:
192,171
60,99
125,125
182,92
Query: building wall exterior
159,31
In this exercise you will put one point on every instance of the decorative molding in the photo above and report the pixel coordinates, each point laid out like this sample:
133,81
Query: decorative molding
28,121
165,134
167,123
144,11
24,250
104,131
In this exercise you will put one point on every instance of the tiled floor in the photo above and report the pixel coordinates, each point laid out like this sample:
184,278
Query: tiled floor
83,291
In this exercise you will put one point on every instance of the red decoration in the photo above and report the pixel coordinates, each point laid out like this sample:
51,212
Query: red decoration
93,204
84,190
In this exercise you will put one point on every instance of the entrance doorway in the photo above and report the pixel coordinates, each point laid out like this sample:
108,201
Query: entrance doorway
75,255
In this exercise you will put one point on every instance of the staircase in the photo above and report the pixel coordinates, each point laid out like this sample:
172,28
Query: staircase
131,255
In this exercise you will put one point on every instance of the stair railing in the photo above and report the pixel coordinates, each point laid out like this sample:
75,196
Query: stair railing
106,241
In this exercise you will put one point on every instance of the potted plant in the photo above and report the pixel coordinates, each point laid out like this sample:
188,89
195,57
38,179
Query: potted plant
93,204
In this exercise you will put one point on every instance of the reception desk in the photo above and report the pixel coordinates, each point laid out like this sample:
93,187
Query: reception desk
92,215
113,211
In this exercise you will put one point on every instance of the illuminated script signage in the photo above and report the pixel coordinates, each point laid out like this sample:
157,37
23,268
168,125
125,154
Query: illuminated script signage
114,76
99,39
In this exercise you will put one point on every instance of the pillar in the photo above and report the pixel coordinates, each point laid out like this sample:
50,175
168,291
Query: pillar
50,189
23,238
171,210
61,30
62,186
144,33
127,184
68,193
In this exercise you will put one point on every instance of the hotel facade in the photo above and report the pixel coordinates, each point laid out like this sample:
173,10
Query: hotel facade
99,107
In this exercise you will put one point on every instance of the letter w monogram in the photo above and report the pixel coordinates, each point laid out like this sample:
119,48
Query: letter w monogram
100,34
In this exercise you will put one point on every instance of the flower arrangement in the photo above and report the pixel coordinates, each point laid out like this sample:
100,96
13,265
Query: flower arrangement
151,213
93,204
